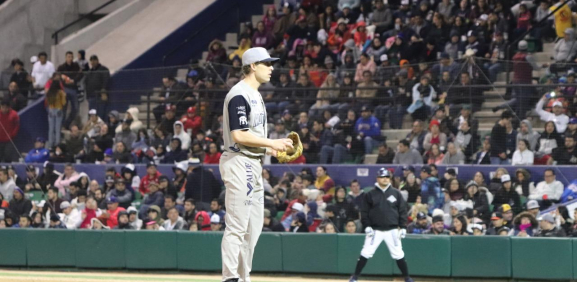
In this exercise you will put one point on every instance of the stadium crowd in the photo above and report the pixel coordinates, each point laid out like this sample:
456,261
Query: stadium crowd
192,199
348,68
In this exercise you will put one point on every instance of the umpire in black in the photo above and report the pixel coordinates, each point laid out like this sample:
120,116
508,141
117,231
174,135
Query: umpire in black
384,216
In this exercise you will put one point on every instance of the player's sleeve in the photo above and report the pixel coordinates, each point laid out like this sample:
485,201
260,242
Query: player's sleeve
365,207
238,113
403,210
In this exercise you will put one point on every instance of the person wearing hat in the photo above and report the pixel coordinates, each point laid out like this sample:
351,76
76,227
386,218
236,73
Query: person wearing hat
480,198
133,220
497,223
38,154
572,127
507,195
420,225
215,223
191,121
94,124
70,216
563,52
152,175
431,193
246,143
384,217
368,128
111,214
152,213
168,119
557,116
55,222
473,43
294,209
123,222
548,228
438,227
179,179
19,205
123,195
271,224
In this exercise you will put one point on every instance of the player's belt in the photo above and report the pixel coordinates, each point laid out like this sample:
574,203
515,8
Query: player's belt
258,158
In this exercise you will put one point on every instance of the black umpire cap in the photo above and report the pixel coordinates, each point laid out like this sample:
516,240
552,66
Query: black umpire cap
383,172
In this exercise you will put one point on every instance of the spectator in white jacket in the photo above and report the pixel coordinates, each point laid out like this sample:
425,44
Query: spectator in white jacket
523,156
557,116
548,190
70,216
7,185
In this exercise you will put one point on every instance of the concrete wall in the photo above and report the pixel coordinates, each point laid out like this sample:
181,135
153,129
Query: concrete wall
86,37
144,31
86,6
27,26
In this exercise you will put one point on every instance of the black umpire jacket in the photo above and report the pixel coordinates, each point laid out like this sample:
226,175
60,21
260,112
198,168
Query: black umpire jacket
384,210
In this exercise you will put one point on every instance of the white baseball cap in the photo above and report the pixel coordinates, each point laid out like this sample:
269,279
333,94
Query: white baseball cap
384,57
298,207
505,178
557,104
215,218
257,54
92,112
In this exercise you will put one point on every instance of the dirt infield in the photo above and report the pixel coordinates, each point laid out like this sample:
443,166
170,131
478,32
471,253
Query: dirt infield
37,275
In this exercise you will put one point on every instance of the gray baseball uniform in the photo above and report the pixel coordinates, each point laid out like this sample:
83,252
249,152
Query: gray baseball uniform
241,172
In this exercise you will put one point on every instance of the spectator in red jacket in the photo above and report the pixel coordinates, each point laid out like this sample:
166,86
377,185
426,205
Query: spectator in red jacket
112,212
191,121
213,155
203,220
10,122
152,176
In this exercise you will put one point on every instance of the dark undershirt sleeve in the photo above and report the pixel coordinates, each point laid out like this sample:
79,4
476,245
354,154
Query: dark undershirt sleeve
238,113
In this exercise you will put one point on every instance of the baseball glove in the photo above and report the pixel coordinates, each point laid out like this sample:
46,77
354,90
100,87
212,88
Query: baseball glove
291,154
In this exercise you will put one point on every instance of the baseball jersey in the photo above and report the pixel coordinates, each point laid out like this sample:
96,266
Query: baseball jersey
244,110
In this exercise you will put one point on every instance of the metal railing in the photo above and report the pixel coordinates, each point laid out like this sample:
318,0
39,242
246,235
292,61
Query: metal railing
55,34
192,36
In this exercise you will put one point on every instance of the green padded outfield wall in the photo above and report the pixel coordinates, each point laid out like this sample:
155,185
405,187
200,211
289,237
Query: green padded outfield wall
199,251
542,258
100,249
268,253
427,255
13,244
440,256
492,254
51,247
349,250
151,249
310,253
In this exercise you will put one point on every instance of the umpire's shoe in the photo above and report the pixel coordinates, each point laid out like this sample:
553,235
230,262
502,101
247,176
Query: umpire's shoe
353,279
409,279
